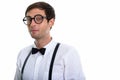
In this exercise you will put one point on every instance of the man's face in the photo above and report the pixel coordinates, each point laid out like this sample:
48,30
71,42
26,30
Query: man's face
39,30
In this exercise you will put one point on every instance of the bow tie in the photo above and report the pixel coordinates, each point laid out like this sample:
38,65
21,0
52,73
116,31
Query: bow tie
41,50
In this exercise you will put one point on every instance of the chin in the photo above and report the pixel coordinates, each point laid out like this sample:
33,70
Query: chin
36,37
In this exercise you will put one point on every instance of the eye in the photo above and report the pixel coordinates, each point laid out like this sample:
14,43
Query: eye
38,18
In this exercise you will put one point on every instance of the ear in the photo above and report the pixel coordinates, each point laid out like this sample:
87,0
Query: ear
51,22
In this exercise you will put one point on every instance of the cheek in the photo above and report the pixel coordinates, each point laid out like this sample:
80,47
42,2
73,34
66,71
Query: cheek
28,29
47,30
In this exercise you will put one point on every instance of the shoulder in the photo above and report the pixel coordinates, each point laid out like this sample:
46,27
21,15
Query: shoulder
27,48
68,54
24,52
22,55
67,48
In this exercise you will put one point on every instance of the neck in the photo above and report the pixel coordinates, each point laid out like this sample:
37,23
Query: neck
42,42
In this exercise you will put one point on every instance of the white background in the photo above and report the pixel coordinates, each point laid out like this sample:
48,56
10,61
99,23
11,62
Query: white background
92,26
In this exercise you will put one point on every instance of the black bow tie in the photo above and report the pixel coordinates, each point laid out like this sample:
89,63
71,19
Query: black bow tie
41,50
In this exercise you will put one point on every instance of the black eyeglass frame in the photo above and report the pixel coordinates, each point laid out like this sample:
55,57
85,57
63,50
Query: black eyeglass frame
34,18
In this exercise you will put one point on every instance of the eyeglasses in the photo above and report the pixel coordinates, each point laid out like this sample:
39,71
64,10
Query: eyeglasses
37,18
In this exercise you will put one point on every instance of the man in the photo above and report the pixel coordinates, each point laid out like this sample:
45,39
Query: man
46,59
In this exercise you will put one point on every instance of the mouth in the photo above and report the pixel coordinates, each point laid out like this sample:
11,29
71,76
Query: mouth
34,31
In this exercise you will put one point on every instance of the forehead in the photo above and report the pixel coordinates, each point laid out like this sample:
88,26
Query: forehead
35,11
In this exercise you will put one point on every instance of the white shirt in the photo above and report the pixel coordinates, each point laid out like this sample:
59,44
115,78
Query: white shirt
66,66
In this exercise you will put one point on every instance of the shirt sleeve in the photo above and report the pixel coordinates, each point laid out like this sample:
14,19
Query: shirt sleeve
18,69
73,68
17,75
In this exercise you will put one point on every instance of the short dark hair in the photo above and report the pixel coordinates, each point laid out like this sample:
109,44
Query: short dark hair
49,10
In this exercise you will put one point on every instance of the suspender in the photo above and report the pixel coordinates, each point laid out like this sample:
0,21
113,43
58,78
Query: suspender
52,61
24,65
51,64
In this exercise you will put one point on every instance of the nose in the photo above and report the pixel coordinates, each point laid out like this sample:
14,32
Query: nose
32,22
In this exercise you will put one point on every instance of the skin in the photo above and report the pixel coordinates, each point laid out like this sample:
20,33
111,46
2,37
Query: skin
40,32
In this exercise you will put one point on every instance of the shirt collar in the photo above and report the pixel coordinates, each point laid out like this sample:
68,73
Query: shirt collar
49,46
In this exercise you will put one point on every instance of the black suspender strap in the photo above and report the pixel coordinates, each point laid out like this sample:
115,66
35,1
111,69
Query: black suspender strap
24,65
52,61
